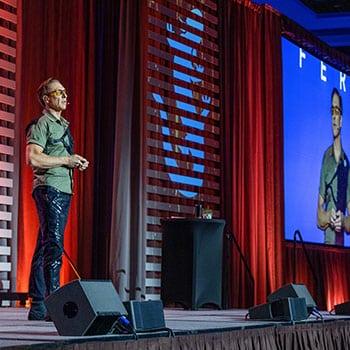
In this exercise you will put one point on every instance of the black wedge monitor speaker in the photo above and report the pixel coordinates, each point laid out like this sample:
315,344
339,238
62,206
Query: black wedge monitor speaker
285,309
145,315
342,309
293,291
85,308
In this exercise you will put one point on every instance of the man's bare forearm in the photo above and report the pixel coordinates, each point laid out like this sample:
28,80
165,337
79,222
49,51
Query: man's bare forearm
44,161
38,159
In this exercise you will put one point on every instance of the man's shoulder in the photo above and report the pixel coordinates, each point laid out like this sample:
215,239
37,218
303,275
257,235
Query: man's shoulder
33,123
328,152
43,119
38,127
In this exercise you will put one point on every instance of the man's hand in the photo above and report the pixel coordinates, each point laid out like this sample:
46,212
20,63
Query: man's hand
84,165
338,222
332,217
77,161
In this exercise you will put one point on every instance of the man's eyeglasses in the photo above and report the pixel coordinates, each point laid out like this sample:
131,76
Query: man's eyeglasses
58,93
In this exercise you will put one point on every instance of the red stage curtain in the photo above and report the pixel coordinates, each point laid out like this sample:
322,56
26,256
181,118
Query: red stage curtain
252,146
331,268
57,41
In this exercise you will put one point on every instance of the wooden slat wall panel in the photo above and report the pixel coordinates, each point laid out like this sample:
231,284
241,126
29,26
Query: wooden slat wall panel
5,250
6,182
183,118
9,150
5,233
7,116
8,38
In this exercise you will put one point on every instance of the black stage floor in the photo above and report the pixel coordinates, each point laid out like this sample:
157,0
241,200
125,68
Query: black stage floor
16,332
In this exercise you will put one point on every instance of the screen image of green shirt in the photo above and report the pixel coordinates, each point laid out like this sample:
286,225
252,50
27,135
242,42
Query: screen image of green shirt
335,189
47,132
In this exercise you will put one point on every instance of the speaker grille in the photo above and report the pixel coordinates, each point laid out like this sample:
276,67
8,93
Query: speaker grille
284,309
146,315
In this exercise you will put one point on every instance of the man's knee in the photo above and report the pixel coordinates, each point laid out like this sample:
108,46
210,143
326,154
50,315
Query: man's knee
53,250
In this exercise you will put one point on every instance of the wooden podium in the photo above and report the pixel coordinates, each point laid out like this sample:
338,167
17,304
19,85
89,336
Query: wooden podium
192,262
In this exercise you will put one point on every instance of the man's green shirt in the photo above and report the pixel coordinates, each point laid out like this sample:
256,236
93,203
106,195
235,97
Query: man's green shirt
47,133
334,189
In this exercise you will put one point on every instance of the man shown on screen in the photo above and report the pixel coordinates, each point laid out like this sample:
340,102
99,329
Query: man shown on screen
334,190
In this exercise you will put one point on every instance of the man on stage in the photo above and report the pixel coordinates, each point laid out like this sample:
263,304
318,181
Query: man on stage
50,154
334,189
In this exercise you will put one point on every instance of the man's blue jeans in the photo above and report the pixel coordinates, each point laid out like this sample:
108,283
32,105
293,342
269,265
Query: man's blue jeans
52,207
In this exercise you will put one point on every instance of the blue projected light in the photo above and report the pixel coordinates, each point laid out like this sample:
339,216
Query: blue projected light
187,107
307,86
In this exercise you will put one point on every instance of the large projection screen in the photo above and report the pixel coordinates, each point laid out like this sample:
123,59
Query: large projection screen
307,86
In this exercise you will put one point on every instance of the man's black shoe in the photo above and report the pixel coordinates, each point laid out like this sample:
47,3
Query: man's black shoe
37,311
